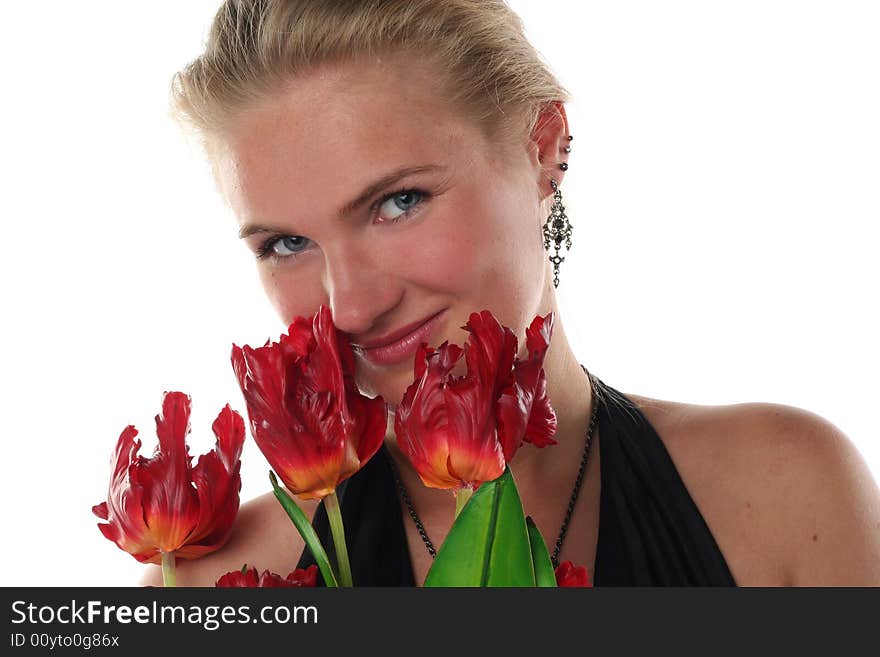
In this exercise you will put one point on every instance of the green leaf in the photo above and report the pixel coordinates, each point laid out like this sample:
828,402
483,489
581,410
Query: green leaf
545,575
488,544
306,531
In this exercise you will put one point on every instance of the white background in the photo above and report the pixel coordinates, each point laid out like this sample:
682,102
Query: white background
723,188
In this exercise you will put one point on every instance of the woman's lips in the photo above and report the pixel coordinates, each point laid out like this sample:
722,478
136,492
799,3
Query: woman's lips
401,348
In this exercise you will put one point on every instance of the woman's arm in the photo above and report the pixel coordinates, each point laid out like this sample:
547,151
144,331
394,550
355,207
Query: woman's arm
828,501
825,502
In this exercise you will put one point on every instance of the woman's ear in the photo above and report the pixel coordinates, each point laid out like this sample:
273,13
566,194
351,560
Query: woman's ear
550,146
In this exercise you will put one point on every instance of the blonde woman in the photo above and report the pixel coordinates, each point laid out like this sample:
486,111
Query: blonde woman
400,162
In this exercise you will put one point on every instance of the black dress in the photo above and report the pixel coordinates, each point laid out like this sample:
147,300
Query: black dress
650,531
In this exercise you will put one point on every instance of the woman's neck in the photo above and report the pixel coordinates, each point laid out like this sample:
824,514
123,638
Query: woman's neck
569,392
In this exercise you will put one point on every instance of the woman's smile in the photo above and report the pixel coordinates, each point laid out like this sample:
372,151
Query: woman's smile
396,346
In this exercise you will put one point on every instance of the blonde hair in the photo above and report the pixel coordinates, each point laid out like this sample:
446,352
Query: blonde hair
257,47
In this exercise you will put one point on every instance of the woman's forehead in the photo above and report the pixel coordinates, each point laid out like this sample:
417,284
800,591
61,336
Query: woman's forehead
361,100
337,127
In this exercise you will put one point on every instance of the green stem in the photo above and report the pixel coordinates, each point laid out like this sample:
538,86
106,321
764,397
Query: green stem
461,498
331,503
169,577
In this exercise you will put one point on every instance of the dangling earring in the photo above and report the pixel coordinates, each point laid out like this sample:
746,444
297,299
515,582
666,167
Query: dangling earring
557,228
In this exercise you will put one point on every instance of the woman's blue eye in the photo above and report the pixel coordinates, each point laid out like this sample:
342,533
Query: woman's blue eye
391,208
399,204
282,247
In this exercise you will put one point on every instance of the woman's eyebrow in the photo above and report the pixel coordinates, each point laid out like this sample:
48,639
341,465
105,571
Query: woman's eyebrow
383,182
369,191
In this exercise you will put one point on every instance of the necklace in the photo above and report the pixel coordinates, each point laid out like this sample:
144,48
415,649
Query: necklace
571,502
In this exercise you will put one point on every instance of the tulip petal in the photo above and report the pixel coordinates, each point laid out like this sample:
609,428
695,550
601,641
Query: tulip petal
122,510
538,334
298,342
490,353
260,373
251,578
421,359
568,574
161,504
218,484
420,419
170,502
304,576
305,412
532,384
461,431
542,420
239,579
475,454
371,426
229,429
172,425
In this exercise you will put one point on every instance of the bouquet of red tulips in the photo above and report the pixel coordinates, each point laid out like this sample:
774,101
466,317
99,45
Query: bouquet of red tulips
316,430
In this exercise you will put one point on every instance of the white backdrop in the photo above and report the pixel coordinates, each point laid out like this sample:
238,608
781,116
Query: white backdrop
723,188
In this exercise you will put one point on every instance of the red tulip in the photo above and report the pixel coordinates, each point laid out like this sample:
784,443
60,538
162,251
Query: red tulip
461,431
567,574
306,413
251,578
163,504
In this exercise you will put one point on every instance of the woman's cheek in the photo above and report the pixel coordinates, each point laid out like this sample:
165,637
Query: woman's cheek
288,295
452,256
443,266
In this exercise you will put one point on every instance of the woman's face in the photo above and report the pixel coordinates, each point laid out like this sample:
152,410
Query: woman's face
360,188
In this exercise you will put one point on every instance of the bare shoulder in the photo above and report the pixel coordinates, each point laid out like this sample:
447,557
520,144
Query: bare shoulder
787,495
262,537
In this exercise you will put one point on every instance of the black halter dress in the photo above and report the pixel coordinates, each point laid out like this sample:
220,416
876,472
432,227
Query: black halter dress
650,531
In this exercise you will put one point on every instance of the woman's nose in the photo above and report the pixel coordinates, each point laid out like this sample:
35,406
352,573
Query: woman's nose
359,289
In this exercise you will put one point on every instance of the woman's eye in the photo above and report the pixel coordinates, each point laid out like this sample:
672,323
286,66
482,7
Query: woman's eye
282,247
398,204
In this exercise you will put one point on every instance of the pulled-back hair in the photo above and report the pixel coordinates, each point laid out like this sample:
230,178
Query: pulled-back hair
257,47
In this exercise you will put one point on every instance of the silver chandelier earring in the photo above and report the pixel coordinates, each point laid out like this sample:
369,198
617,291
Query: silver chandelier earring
556,229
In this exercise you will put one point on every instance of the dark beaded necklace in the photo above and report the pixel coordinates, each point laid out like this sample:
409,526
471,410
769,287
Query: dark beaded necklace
571,502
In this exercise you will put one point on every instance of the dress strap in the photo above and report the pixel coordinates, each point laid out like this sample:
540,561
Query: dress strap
651,532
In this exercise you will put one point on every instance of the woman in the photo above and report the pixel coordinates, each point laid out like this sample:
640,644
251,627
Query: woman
400,162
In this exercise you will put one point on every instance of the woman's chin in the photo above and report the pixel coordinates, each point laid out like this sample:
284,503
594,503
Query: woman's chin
391,389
